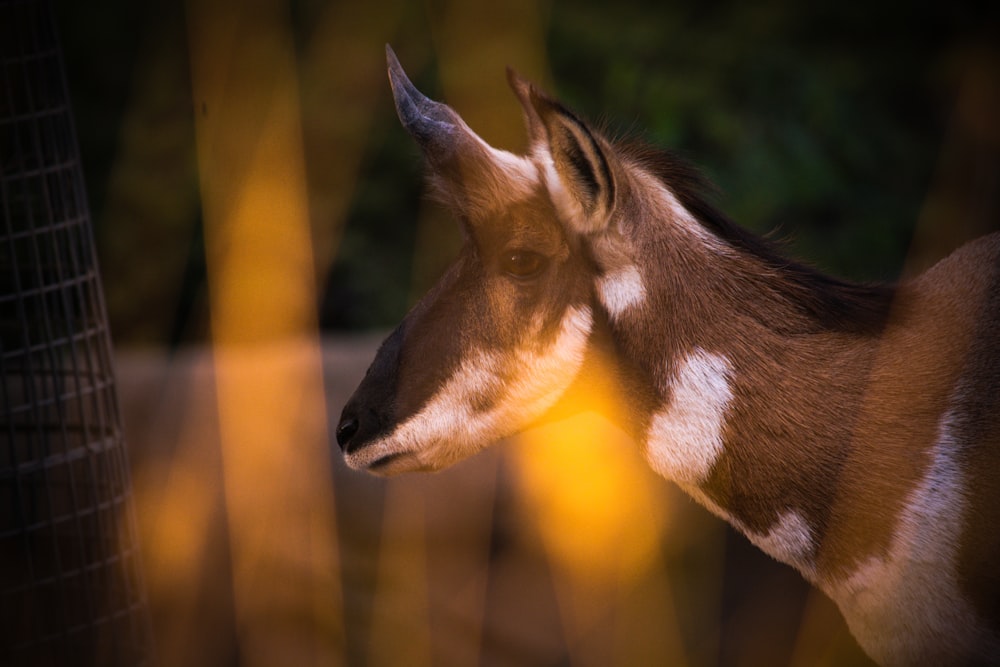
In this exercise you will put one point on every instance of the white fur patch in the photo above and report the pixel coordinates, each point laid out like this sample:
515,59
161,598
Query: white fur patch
675,212
667,207
566,205
906,607
621,289
449,427
790,540
521,173
685,439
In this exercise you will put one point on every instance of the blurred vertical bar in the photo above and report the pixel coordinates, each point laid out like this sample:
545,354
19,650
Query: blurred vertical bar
71,585
265,336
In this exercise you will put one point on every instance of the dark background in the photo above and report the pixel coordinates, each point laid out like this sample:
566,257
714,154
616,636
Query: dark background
866,134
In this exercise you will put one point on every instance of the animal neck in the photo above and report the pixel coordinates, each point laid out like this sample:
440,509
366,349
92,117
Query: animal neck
754,395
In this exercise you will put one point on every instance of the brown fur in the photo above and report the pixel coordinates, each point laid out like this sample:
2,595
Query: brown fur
838,397
856,377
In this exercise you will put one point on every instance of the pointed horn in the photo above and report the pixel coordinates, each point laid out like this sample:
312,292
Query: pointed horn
431,123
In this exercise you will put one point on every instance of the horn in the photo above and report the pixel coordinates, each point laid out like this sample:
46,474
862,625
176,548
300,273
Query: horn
467,171
435,126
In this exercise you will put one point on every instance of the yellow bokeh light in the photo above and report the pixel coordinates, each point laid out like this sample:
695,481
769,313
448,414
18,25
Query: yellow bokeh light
600,511
265,340
597,509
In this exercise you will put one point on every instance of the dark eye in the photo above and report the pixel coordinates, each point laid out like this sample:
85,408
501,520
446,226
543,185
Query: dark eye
522,263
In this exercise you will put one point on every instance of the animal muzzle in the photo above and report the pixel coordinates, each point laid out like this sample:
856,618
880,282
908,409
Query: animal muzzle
370,412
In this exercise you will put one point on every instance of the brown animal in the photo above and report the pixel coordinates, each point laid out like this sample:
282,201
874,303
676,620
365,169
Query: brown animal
850,431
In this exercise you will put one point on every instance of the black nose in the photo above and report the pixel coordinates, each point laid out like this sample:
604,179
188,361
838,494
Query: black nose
347,429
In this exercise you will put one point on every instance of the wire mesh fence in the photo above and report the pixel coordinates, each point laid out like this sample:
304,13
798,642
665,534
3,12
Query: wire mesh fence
71,589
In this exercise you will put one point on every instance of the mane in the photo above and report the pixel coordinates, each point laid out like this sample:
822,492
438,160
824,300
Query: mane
834,304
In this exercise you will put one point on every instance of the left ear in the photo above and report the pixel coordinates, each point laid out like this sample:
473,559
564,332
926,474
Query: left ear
584,187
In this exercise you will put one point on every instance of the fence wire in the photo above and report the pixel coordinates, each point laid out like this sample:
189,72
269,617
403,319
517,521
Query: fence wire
71,588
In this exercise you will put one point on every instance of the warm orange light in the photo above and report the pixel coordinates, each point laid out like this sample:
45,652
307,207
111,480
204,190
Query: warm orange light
266,352
597,509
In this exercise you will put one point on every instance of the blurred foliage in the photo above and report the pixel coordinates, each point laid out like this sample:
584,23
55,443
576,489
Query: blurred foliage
824,121
369,283
821,121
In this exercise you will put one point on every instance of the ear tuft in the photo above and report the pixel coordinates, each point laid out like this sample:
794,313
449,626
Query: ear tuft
524,89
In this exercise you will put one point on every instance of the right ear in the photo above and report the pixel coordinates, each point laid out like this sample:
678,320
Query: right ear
581,179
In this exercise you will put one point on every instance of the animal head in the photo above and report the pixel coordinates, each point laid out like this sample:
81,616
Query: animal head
506,331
